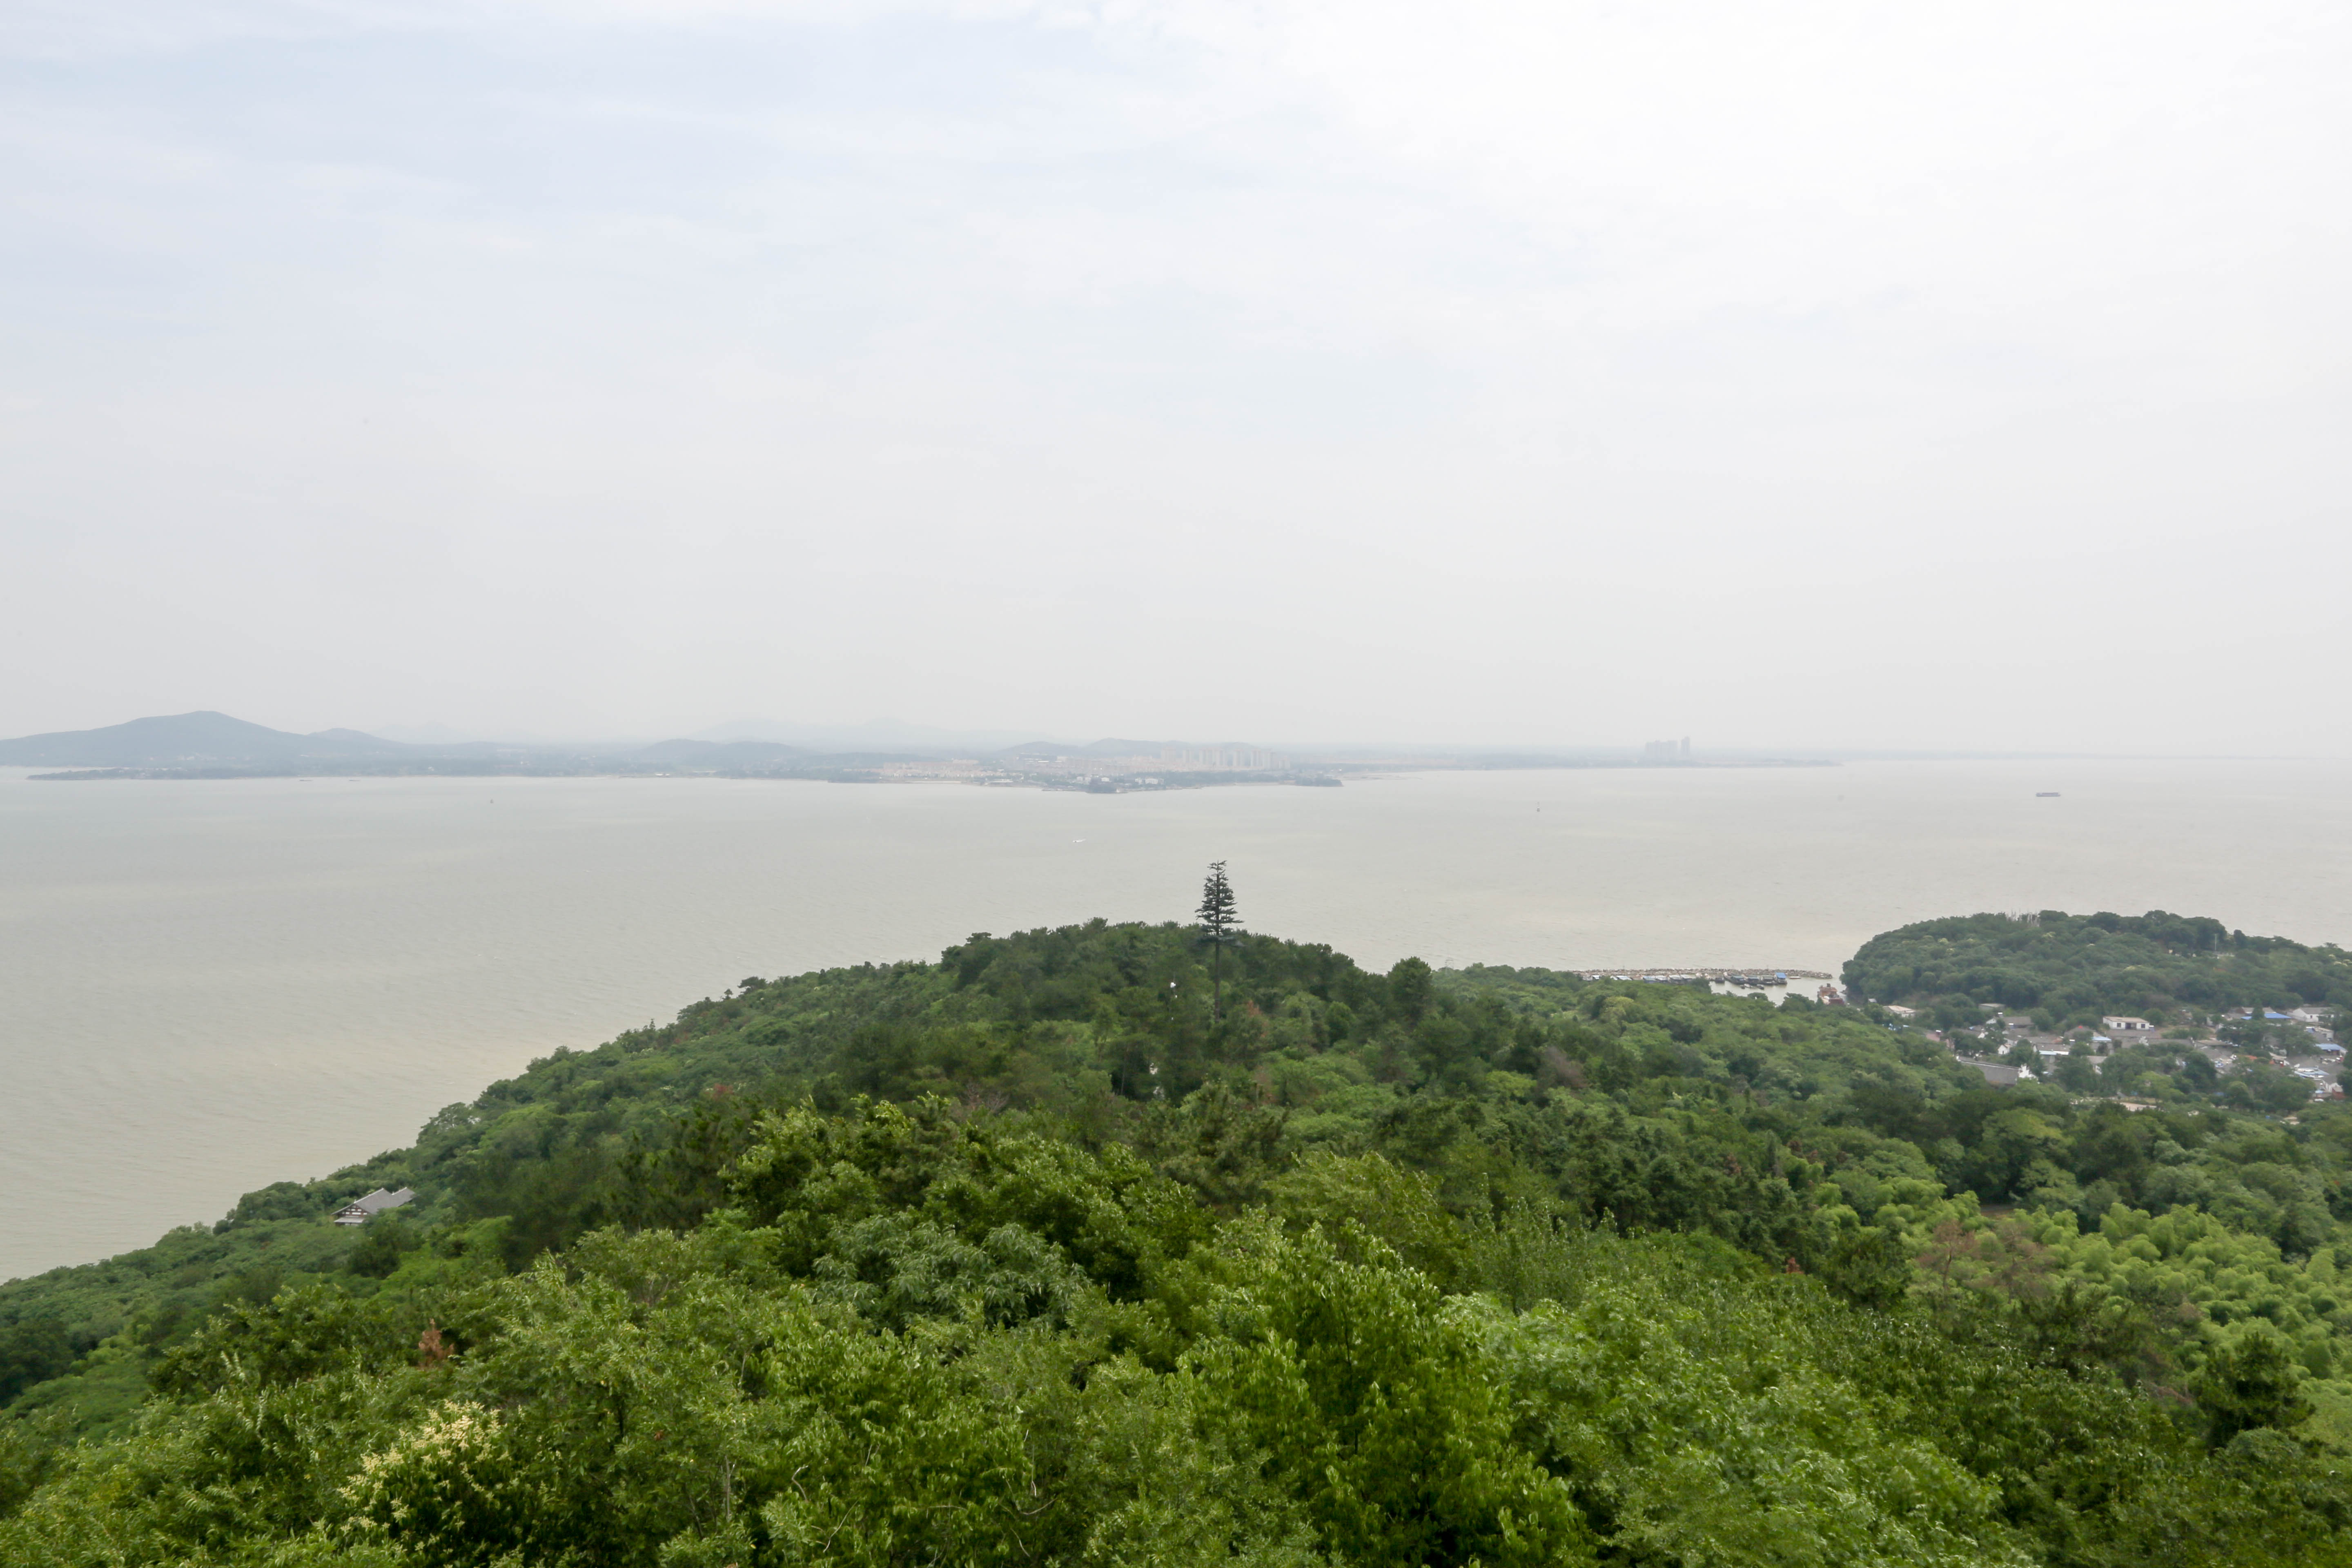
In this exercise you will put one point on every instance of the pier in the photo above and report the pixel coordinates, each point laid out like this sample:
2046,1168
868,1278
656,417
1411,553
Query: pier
1761,971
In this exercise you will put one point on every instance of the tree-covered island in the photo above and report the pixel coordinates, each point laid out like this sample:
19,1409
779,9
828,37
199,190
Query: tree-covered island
1037,1254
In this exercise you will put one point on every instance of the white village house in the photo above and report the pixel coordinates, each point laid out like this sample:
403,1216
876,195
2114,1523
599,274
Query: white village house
2120,1024
362,1210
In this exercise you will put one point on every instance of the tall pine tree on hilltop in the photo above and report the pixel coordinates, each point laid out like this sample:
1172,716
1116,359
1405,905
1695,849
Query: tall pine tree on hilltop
1219,921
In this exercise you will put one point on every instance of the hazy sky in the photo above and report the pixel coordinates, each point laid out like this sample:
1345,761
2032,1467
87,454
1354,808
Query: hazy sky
1870,374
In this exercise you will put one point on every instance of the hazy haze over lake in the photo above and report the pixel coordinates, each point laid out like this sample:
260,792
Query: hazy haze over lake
209,986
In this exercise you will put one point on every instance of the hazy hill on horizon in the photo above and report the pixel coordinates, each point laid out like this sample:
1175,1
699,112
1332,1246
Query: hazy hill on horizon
208,741
202,736
212,738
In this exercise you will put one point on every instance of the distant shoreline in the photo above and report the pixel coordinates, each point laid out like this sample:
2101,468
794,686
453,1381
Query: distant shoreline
915,770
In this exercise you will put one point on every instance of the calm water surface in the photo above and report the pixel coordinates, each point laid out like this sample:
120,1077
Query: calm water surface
208,986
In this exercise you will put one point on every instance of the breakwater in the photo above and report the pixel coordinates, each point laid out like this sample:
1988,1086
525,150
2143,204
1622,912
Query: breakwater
1760,972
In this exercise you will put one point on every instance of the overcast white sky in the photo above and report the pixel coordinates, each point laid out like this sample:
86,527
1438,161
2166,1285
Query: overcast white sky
1572,373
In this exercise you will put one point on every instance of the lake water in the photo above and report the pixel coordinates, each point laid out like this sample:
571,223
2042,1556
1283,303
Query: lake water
208,986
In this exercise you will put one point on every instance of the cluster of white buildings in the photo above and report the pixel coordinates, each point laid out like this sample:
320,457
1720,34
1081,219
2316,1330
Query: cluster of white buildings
2117,1029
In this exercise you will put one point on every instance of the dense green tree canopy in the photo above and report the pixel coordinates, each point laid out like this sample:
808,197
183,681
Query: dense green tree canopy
2078,967
1023,1257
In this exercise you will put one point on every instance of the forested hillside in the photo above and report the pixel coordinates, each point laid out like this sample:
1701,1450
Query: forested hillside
2070,969
1048,1252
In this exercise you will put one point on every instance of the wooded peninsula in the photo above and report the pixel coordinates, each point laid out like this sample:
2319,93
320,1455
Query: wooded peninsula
1172,1243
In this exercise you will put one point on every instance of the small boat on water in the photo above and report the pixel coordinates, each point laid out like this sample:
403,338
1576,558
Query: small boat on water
2045,795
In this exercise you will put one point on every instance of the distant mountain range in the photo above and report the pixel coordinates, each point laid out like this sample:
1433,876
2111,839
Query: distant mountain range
216,742
187,739
214,745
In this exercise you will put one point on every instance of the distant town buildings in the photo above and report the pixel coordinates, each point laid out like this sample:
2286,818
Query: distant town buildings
1666,751
1225,758
1109,767
2320,1067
